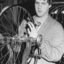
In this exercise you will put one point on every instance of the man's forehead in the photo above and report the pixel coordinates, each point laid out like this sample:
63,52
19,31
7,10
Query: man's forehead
42,0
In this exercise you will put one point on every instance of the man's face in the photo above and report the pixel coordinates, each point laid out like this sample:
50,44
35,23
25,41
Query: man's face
41,7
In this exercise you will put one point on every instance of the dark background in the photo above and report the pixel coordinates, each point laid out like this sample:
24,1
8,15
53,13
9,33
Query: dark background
29,5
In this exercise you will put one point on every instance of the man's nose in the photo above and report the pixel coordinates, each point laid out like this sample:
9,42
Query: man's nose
39,6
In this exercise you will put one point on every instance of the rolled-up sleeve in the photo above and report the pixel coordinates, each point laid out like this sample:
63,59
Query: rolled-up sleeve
53,50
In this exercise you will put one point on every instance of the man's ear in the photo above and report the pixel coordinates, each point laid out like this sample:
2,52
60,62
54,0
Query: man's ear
49,6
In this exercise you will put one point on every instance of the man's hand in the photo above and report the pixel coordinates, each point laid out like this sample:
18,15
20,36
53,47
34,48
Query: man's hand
21,28
32,30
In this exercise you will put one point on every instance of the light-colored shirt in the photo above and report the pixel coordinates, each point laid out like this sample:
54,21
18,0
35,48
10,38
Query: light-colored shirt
52,47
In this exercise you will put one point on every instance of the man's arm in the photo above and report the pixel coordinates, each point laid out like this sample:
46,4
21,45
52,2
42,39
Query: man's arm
53,50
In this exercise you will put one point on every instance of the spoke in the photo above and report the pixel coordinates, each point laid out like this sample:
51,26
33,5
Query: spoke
11,11
4,26
11,55
13,20
24,13
4,56
7,20
1,47
17,57
11,25
15,14
18,13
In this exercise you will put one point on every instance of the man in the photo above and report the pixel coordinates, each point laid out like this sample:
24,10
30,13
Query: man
52,44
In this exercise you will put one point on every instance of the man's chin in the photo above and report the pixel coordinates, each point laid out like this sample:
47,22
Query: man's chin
39,15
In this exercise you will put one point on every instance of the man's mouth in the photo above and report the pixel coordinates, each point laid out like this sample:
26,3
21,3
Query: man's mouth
39,11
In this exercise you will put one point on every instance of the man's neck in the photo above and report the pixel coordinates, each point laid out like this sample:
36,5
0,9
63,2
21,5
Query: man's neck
41,19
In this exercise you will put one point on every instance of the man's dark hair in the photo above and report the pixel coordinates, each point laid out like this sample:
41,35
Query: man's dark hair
49,1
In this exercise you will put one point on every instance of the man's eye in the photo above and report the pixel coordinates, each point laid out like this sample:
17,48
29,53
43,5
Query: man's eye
43,3
36,3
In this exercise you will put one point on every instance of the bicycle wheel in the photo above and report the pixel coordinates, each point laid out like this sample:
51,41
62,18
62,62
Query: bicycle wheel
10,21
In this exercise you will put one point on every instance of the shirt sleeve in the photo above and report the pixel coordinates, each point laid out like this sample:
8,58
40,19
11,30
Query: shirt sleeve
54,49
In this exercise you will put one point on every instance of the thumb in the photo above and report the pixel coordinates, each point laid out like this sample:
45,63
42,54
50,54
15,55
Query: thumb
28,31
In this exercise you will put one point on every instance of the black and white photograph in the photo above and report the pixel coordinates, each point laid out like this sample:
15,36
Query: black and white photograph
31,31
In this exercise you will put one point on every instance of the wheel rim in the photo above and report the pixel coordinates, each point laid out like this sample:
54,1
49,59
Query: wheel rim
10,20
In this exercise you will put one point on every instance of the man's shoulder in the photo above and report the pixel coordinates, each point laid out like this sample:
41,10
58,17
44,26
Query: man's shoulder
54,21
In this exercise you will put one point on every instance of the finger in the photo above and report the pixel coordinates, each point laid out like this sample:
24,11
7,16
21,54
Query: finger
31,24
28,31
28,19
